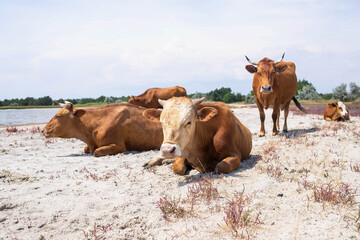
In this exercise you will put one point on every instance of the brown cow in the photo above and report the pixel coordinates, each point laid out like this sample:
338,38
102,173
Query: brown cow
274,84
207,137
336,112
150,97
107,130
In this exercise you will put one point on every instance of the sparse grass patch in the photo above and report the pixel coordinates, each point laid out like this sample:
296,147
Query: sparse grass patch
355,219
170,207
35,130
202,189
334,195
238,216
355,167
97,233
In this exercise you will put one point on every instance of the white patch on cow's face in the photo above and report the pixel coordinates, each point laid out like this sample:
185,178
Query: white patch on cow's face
178,122
343,111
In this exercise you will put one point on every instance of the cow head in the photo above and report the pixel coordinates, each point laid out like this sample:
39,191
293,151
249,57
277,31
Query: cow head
265,71
136,101
63,124
178,119
338,111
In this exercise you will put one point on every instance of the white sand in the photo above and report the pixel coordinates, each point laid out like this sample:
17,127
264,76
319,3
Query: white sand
49,188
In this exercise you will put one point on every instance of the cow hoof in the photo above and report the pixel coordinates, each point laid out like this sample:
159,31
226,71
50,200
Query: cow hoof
274,133
285,131
147,165
166,161
261,134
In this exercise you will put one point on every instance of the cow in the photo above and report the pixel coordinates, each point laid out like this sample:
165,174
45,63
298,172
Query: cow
207,137
336,112
149,98
274,84
108,130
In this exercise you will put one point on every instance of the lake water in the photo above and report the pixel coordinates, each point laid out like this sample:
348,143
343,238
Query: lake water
26,116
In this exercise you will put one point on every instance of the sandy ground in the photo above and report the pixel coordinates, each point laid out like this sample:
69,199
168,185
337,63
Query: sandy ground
301,185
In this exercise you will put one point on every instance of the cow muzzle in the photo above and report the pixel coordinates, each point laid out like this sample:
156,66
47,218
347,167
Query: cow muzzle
45,133
266,89
170,150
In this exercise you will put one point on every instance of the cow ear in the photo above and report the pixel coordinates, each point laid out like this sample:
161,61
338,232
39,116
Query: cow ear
333,104
206,113
280,68
79,112
251,68
152,114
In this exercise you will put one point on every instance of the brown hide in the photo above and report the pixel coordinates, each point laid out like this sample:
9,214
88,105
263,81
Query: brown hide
107,130
281,79
218,142
333,113
217,139
149,98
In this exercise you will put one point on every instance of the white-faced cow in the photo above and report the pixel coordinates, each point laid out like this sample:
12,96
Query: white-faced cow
207,137
336,112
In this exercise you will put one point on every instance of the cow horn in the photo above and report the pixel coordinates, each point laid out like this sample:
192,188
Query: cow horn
250,61
162,102
198,101
60,104
280,59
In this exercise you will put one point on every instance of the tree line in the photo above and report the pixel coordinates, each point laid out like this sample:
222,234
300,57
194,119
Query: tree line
305,91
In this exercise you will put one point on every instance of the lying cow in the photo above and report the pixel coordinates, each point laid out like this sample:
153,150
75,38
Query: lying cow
150,97
336,112
274,84
207,137
108,130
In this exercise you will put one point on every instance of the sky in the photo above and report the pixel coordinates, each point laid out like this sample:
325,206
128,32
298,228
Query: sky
89,48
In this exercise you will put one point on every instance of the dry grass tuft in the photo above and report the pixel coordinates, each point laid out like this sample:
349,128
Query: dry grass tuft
238,216
97,233
328,193
202,189
170,207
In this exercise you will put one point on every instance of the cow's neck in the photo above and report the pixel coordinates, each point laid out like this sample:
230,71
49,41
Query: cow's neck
86,127
201,145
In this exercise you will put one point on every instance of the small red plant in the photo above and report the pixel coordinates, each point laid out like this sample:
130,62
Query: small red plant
355,168
170,207
343,194
238,216
202,189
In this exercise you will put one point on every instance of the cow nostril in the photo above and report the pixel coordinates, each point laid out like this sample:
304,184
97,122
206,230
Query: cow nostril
172,149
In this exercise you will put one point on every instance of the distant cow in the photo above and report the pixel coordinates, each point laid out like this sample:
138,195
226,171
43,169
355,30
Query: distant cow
274,84
150,97
207,137
108,130
336,112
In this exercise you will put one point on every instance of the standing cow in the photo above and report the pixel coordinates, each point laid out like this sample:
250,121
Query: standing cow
107,130
207,137
336,112
274,84
150,97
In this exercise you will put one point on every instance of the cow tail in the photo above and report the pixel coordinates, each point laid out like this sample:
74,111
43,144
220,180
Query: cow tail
298,105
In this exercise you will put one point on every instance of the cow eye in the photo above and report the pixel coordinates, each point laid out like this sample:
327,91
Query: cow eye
259,74
188,123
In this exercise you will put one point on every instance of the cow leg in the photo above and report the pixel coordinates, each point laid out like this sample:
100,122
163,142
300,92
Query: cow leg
275,114
277,121
228,165
86,149
180,166
286,113
158,161
110,150
262,117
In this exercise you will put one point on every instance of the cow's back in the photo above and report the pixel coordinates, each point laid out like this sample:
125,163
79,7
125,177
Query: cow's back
126,122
